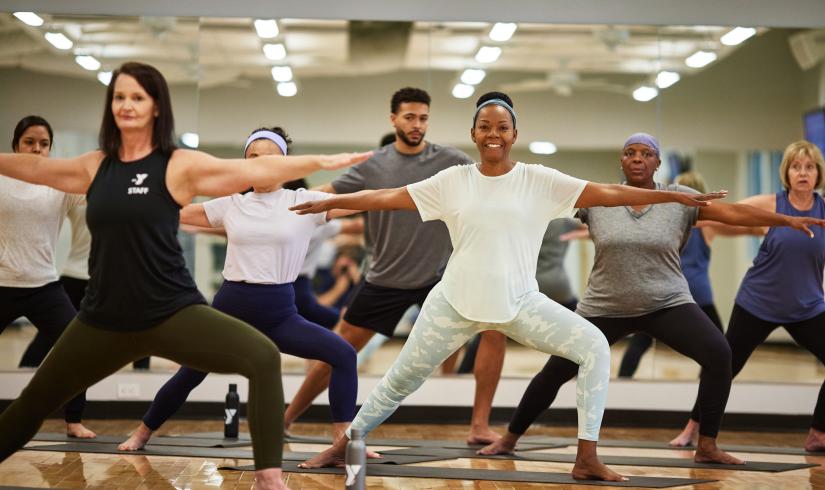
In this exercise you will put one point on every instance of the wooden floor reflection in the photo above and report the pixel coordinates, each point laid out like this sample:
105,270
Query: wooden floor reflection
73,470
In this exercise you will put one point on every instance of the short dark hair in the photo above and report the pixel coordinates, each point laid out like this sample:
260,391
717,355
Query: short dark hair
492,96
277,130
408,94
163,130
25,124
387,139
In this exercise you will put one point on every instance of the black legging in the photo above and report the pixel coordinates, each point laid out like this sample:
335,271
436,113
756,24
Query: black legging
685,328
50,310
41,344
640,343
746,332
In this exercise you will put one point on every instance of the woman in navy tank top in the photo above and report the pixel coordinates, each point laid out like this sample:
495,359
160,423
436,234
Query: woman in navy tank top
141,300
783,287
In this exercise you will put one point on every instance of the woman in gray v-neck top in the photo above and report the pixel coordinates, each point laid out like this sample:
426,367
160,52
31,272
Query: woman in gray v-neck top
637,285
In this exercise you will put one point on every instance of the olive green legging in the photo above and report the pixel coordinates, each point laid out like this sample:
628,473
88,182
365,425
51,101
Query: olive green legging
197,336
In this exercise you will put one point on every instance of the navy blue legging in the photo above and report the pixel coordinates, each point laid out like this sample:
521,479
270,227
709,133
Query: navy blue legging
310,308
271,309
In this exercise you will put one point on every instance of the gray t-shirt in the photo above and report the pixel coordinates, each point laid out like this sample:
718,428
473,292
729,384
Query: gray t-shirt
637,269
550,273
405,253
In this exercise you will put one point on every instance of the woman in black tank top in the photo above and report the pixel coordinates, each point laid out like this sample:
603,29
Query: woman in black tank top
141,299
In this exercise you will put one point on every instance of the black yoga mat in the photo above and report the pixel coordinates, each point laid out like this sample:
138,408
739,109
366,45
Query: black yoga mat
217,453
155,441
435,443
608,460
489,475
663,445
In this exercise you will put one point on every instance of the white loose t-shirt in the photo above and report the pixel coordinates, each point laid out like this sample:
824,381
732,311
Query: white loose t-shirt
267,242
315,250
77,263
496,226
30,220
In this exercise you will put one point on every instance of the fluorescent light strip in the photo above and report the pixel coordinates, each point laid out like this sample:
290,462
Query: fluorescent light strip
737,35
266,28
88,62
666,78
275,52
105,77
502,31
282,73
462,90
700,59
287,89
542,148
488,54
644,94
59,40
29,18
472,76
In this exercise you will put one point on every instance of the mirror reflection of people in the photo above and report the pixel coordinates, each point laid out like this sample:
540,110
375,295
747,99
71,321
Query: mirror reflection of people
141,299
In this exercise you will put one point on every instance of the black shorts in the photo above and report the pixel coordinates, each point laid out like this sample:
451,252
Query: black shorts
379,308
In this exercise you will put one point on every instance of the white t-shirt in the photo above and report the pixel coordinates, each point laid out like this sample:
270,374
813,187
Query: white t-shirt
30,220
315,250
496,226
266,242
77,263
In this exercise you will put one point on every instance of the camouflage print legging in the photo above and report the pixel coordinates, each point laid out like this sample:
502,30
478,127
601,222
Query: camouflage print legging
540,323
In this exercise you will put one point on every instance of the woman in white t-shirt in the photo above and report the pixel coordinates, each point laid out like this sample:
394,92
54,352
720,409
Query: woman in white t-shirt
31,217
266,247
496,212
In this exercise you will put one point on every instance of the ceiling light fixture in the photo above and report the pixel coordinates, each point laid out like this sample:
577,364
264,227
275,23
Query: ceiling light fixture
87,62
29,18
282,73
542,148
275,52
105,77
287,89
737,36
192,140
59,40
700,59
502,31
473,76
666,78
462,90
644,94
266,28
488,54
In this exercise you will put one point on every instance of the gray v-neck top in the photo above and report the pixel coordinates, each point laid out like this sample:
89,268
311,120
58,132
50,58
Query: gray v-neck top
637,269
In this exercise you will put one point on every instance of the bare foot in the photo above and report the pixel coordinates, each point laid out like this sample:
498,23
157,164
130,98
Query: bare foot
708,452
270,479
482,435
590,468
688,435
79,430
504,445
815,441
330,457
137,440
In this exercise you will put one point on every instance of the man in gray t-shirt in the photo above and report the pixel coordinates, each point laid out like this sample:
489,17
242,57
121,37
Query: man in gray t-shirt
407,257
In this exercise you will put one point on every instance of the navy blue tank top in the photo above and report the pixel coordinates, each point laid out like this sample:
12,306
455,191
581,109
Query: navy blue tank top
784,284
695,261
138,277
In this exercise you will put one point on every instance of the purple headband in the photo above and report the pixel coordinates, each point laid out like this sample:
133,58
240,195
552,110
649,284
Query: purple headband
644,139
266,135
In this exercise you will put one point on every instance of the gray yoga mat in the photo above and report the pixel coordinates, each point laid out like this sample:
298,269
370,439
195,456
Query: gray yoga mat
212,452
663,445
435,443
608,460
155,441
489,475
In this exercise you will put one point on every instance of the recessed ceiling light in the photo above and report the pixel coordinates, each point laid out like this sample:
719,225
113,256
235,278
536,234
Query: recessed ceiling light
275,52
462,90
488,54
266,28
105,77
502,31
737,35
281,73
87,62
472,76
700,59
644,94
29,18
666,78
287,89
59,40
542,148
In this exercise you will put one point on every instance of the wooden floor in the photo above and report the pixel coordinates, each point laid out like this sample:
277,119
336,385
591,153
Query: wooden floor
73,470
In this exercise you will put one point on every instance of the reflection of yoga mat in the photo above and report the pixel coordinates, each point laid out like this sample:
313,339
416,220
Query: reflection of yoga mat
450,444
663,445
608,460
155,441
489,475
217,453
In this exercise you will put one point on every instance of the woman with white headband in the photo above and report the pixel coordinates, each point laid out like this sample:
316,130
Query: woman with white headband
497,212
265,252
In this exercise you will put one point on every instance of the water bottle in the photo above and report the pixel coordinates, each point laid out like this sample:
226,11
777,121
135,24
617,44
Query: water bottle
355,461
231,415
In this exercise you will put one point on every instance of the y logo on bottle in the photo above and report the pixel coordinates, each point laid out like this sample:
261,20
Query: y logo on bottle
138,187
230,414
352,472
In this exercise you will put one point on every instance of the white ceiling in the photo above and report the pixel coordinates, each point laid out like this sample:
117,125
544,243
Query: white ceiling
227,51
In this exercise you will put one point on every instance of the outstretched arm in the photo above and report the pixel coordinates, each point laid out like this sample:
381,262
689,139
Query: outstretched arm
607,195
390,199
70,175
194,173
194,215
747,215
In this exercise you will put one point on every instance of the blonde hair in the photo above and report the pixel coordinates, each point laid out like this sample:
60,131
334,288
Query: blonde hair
796,150
693,180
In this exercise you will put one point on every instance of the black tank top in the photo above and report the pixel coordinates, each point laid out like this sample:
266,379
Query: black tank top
138,275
